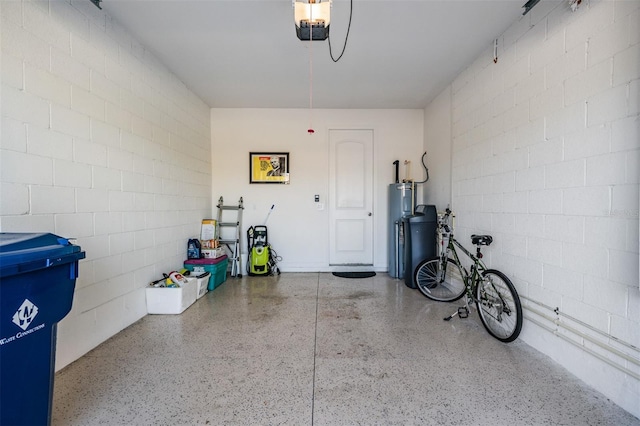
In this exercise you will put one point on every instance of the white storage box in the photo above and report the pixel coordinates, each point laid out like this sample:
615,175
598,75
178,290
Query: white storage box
213,253
163,300
202,284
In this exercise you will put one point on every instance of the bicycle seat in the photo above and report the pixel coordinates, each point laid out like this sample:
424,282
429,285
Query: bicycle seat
481,240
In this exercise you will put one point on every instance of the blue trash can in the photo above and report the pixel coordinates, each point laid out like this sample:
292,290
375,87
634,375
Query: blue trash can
37,278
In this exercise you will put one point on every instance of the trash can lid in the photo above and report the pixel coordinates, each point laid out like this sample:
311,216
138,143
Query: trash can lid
426,214
23,252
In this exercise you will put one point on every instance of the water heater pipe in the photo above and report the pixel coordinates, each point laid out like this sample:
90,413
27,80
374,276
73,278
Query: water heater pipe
397,163
397,247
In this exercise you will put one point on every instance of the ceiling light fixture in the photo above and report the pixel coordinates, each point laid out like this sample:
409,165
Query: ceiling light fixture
312,19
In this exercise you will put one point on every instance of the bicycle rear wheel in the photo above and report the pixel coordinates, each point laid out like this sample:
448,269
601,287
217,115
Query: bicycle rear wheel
438,283
499,306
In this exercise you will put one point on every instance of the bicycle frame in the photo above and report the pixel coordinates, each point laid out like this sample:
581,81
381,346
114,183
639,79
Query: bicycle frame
470,278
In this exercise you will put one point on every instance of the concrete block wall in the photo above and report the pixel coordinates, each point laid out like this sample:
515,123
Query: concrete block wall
102,143
545,156
437,134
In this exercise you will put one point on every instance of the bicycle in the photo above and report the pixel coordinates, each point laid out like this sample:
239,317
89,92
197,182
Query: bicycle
445,279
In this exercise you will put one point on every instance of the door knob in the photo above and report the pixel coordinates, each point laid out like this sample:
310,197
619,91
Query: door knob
369,214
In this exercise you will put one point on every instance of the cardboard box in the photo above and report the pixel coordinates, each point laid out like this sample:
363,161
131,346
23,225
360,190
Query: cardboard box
208,229
165,300
209,244
213,253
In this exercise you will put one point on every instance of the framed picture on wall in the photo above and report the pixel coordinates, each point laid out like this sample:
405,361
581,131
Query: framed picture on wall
269,167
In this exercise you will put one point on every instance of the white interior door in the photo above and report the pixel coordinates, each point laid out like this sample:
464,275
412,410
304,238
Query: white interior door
351,197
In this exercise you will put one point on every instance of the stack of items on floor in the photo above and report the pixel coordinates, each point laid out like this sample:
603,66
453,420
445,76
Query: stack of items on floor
204,270
209,244
206,255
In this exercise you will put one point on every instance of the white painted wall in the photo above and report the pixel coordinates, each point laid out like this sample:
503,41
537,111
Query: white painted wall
437,144
546,158
98,142
297,230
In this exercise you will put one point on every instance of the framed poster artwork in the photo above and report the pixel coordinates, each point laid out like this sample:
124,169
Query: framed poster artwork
269,167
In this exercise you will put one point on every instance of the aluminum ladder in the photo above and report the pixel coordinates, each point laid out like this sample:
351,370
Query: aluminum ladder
229,233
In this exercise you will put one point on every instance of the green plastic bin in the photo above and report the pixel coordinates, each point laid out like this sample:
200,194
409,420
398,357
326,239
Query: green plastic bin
216,267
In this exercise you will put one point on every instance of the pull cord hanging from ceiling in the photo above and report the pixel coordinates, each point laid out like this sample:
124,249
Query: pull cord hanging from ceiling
310,130
306,24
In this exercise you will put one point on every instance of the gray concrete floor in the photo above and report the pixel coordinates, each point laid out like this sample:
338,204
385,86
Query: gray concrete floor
313,349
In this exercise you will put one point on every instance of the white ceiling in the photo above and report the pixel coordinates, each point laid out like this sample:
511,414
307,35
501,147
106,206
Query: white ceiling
245,53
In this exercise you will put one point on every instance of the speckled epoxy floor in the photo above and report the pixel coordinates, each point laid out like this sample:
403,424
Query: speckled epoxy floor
313,349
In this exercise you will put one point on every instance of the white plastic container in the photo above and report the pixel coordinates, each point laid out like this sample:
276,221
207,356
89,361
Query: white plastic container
202,284
163,300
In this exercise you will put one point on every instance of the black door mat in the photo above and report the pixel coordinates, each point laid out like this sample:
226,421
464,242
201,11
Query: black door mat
367,274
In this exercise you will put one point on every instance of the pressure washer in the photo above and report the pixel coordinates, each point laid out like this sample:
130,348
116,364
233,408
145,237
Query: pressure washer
262,258
258,250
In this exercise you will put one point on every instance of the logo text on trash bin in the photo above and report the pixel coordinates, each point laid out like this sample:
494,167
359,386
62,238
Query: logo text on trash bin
25,314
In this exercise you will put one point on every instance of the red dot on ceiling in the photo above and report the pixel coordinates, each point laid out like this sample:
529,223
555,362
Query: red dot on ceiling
311,131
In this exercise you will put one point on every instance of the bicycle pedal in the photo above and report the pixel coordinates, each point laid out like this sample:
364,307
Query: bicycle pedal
463,312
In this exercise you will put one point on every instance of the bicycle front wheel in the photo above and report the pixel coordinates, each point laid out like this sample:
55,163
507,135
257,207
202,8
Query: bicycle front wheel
499,306
439,282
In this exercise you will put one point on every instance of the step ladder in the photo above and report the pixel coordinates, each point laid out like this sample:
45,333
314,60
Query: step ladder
229,232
